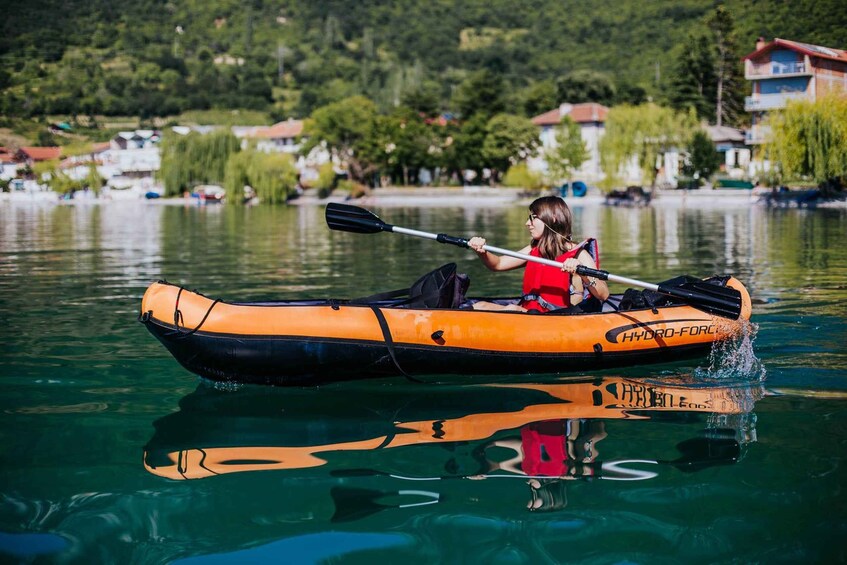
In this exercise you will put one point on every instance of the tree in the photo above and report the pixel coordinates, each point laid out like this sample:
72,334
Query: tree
189,160
628,93
703,159
349,130
693,80
707,73
462,148
509,140
729,87
569,153
539,97
481,93
271,175
93,180
423,99
408,142
585,86
644,133
810,139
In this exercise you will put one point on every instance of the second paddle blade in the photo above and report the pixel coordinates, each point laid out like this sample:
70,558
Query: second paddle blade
344,217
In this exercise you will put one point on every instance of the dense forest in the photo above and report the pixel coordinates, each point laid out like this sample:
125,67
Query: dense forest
151,58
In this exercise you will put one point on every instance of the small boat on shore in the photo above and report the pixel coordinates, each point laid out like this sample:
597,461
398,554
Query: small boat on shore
633,196
430,329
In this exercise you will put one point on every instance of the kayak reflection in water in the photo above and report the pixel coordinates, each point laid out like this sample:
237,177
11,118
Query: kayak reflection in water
544,288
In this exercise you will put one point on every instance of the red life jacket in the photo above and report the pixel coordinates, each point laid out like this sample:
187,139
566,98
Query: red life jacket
544,449
547,288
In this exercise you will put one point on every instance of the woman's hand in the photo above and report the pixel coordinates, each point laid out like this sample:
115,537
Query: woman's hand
570,265
476,243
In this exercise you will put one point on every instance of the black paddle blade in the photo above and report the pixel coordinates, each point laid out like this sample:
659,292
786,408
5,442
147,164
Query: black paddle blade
355,503
344,217
721,301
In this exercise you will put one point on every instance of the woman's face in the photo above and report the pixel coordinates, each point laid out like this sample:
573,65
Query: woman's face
535,226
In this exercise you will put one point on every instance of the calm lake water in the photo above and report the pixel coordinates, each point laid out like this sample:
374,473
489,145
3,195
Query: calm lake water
114,453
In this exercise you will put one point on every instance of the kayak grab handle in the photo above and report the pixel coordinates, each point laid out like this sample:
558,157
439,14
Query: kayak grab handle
457,241
584,271
596,273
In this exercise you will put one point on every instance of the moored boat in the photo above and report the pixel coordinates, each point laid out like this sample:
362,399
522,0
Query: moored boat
313,341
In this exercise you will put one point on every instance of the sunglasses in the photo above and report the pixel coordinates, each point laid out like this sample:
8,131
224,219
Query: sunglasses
532,217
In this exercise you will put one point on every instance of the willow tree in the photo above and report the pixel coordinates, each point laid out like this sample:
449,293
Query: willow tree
189,160
271,175
642,133
809,139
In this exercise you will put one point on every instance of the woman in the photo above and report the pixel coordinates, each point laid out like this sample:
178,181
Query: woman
544,288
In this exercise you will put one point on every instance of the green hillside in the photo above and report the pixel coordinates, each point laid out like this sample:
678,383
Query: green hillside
151,58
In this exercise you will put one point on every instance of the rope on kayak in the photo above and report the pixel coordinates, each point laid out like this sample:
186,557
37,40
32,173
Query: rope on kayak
389,342
179,319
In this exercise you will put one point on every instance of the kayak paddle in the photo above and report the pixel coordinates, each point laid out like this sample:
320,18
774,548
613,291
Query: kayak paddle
718,300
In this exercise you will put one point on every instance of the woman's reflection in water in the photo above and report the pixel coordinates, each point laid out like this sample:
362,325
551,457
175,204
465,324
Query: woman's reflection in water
549,452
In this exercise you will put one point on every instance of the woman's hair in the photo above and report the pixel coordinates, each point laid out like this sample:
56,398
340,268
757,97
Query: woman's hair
557,218
551,493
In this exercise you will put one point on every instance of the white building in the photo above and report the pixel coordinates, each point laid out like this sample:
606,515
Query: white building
283,137
286,137
731,144
591,119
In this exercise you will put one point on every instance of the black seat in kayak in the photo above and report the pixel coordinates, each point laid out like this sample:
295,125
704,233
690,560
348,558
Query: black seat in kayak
441,288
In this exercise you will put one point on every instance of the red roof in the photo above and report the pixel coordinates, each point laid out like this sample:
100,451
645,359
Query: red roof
41,153
805,48
100,147
580,113
282,130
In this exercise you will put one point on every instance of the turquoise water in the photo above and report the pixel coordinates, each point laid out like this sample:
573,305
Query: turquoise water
114,453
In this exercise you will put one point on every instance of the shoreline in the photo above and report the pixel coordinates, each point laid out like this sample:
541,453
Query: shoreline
466,197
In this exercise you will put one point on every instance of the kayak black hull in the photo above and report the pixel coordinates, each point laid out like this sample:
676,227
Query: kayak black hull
293,360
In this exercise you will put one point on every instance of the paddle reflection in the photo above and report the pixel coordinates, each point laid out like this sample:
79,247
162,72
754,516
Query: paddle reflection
545,434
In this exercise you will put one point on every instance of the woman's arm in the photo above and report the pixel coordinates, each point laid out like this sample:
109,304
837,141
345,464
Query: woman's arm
598,288
497,262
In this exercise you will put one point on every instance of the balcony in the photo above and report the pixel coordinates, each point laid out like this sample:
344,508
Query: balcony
764,102
773,69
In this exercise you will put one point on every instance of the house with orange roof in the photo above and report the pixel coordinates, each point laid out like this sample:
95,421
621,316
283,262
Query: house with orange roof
286,137
282,136
30,155
783,70
591,118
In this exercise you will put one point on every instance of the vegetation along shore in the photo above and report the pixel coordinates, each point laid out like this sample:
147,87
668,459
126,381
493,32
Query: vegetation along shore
284,99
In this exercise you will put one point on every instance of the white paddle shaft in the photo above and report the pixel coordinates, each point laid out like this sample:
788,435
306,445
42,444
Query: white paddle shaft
525,257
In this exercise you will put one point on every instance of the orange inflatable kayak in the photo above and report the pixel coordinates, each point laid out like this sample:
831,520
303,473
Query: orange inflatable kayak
312,341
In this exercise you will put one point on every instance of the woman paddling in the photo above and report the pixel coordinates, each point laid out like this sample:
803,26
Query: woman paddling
545,288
